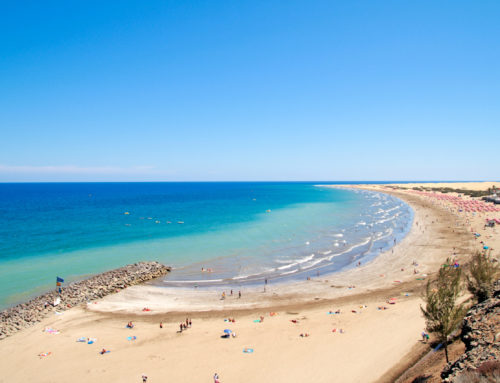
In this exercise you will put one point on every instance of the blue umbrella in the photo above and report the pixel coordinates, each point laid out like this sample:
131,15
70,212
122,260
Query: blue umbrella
227,331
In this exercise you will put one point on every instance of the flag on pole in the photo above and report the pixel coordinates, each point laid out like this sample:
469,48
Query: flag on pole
59,279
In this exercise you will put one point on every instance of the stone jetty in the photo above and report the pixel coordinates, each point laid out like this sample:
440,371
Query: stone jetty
27,314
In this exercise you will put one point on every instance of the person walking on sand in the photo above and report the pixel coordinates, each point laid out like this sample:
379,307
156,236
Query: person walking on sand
239,294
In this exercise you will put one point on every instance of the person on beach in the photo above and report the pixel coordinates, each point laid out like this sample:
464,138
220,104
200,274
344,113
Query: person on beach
239,294
180,327
161,324
425,337
130,325
144,378
216,378
223,295
190,323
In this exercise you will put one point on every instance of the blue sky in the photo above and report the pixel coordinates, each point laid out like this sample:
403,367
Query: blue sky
249,90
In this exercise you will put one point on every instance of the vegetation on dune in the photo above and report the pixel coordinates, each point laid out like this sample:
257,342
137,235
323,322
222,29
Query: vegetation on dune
471,193
484,271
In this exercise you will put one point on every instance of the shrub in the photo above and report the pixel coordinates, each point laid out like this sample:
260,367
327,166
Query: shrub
442,313
483,273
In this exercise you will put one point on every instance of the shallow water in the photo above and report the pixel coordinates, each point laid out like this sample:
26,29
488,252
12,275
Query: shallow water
243,232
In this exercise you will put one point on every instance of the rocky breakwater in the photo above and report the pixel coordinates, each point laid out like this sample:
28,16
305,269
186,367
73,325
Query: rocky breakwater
98,286
481,335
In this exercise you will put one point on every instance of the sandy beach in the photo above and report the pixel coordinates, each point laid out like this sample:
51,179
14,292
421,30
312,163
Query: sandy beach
371,346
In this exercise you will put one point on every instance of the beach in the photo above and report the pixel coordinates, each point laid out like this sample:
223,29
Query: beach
373,345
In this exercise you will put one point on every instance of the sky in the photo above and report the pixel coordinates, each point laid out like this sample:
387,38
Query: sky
249,90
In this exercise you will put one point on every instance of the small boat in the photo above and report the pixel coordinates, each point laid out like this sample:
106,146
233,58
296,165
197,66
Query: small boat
180,222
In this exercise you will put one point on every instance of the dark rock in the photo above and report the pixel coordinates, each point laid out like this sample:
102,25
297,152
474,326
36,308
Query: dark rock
480,327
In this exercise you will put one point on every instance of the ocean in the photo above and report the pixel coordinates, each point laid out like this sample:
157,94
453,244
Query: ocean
237,232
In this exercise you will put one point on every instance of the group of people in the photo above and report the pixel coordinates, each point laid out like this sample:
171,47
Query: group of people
223,296
334,312
184,326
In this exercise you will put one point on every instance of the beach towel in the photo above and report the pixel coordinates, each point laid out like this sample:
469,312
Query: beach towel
131,338
105,352
51,331
44,354
92,341
82,339
248,350
256,320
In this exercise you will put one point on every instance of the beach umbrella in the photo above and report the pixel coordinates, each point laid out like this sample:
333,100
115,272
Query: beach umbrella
227,331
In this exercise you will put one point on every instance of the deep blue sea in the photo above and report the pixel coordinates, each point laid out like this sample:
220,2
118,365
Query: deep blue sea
242,231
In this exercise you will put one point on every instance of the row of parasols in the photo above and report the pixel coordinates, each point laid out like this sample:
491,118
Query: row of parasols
467,205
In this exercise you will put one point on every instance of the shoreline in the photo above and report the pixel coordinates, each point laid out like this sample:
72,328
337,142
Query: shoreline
325,287
374,343
339,255
254,285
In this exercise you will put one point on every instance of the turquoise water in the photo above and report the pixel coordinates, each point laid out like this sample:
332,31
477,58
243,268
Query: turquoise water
243,232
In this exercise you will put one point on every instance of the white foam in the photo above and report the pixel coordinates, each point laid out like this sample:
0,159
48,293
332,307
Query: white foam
290,272
297,262
202,281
